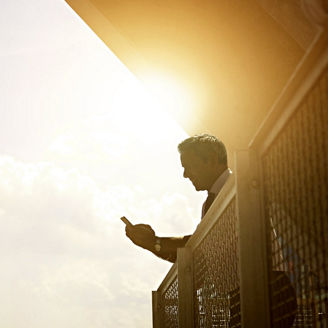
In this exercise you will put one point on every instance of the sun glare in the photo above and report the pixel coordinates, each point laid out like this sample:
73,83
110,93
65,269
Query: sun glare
149,105
137,110
170,93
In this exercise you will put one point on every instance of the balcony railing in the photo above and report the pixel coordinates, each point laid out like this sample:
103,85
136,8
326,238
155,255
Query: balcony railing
259,258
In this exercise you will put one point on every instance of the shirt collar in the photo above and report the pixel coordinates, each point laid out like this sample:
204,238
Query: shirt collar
220,181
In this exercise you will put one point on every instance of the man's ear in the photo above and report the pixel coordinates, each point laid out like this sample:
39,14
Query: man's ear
207,159
212,160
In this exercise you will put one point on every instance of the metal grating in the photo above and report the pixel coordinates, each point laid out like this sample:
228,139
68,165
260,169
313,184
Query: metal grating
169,306
216,276
295,173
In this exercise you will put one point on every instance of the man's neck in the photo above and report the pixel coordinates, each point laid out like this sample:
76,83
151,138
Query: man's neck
216,177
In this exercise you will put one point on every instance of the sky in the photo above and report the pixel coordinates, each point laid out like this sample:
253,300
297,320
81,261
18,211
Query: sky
82,143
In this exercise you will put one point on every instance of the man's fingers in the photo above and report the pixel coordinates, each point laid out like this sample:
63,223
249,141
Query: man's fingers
141,234
139,229
142,227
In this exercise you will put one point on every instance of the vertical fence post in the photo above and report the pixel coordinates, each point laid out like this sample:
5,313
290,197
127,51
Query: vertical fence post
185,288
155,303
252,243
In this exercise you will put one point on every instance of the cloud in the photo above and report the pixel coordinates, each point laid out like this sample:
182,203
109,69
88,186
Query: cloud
67,261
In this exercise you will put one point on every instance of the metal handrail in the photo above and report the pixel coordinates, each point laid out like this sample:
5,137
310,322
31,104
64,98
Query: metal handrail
168,280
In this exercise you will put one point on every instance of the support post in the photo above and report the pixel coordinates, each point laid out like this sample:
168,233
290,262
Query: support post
185,288
254,295
155,304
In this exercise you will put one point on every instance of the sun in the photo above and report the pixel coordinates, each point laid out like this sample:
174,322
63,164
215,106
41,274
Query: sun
150,104
169,93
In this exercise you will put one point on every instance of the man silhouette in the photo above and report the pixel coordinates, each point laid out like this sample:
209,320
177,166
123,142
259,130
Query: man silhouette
204,159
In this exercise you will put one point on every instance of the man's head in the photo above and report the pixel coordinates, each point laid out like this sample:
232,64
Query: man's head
204,158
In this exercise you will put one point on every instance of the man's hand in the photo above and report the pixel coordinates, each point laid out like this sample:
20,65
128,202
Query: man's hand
142,235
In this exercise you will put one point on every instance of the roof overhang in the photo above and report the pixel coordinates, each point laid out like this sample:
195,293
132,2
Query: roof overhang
232,58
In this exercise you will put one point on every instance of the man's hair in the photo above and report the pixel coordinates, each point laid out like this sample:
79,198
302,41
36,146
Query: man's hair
204,145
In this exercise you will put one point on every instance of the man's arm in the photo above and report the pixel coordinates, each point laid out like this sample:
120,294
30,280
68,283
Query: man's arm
169,247
164,247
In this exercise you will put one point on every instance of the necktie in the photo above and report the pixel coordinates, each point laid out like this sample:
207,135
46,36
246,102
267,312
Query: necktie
209,200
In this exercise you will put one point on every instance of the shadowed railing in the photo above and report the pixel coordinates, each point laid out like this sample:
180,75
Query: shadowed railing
166,301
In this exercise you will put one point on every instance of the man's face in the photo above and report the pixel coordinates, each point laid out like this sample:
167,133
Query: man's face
197,170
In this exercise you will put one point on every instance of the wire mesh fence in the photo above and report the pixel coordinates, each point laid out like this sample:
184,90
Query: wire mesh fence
216,276
295,173
169,304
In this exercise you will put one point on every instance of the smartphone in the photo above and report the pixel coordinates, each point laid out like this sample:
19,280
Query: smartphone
126,221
